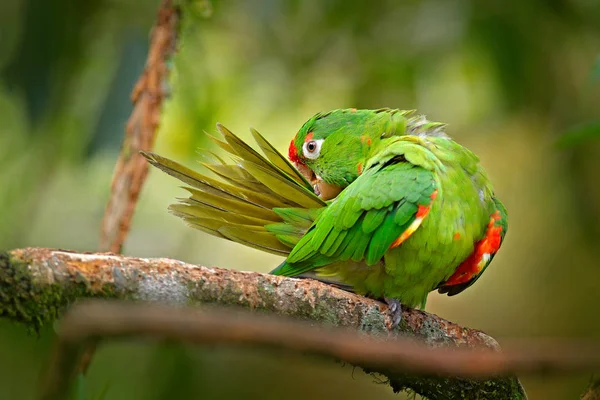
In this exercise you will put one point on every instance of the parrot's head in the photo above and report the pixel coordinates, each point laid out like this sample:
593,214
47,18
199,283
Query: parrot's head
331,148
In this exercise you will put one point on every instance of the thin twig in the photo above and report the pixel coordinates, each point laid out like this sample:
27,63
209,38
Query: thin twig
148,95
86,358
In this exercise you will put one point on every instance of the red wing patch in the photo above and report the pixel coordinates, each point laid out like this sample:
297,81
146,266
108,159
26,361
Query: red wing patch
422,212
481,256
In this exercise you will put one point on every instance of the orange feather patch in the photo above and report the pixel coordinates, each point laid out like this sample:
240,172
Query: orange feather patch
422,211
420,216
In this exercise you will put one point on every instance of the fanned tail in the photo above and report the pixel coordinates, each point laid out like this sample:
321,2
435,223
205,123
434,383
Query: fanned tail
259,201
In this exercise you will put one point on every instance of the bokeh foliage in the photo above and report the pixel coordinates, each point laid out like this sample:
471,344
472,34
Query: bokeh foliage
517,81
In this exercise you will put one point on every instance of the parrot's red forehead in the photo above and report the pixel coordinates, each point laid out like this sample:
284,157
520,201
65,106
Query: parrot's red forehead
293,153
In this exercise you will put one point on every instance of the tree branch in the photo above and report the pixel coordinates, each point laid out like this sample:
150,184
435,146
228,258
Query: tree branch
147,96
37,284
53,278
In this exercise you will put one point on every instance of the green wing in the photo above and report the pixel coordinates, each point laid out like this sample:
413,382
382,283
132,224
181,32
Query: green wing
365,219
252,193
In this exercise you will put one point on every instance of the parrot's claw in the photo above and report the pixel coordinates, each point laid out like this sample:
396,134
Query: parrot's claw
395,309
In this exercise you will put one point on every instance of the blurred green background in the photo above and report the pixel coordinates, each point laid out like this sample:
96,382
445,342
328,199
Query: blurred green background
517,82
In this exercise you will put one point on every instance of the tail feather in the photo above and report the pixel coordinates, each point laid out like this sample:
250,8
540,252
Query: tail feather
232,174
231,204
254,236
280,161
258,239
200,210
278,183
259,201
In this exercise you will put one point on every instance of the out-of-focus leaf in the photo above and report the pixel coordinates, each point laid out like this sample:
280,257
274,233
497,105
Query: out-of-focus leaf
579,134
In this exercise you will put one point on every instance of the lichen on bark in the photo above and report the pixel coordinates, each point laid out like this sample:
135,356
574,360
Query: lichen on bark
21,300
438,388
35,295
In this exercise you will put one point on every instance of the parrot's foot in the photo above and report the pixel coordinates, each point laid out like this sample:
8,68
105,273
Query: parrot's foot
395,309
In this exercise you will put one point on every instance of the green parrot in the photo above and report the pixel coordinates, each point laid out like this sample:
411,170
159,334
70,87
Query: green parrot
380,202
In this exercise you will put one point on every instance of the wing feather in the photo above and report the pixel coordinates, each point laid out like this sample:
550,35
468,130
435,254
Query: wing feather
279,160
365,219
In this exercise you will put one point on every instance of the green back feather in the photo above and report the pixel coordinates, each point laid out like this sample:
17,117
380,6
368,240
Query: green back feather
365,219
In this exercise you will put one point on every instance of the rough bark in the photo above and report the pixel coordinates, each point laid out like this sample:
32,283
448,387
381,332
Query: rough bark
37,284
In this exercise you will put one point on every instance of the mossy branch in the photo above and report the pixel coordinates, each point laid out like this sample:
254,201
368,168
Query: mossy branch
38,284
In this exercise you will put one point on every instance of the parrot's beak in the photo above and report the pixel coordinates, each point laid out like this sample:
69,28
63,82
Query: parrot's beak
306,172
324,190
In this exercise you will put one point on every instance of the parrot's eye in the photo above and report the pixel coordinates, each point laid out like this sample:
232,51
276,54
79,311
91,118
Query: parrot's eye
312,148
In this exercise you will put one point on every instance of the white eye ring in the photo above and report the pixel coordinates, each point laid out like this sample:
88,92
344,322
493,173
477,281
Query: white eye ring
312,148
